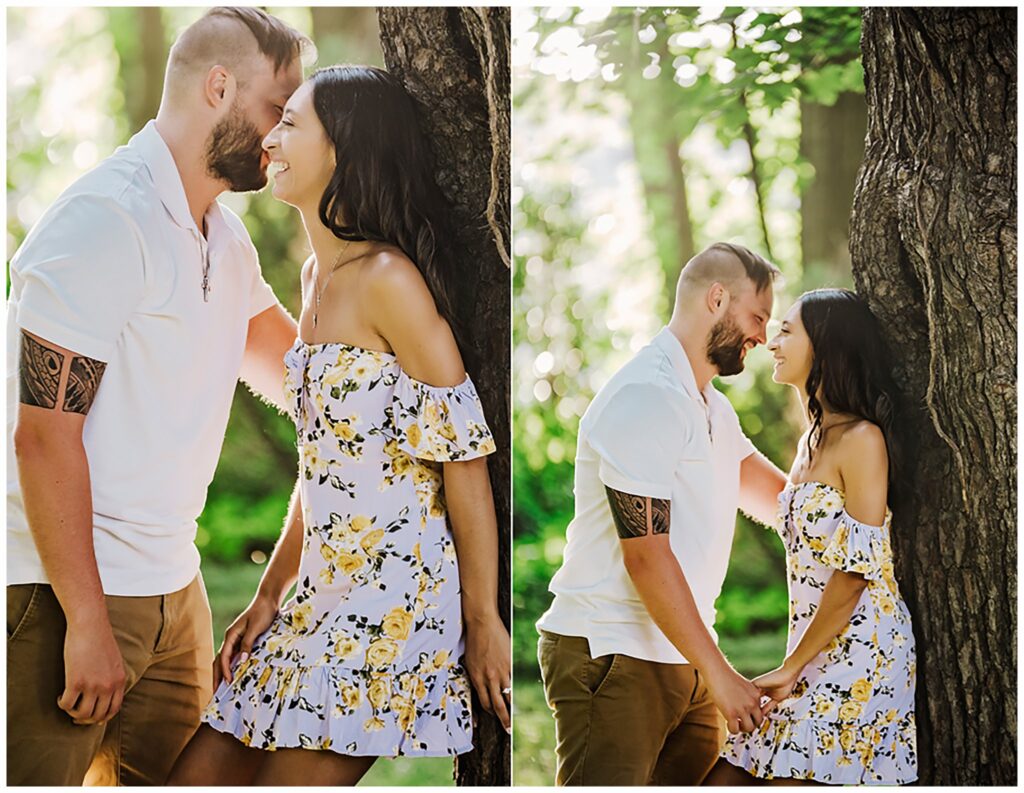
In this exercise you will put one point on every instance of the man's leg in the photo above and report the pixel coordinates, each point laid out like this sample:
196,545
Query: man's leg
44,747
692,748
161,711
611,718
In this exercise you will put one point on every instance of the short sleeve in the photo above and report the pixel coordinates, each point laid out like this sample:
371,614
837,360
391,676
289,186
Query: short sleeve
857,547
737,438
261,296
440,423
640,436
82,275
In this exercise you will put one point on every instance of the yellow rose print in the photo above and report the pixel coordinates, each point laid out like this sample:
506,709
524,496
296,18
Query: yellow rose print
861,690
371,539
379,692
414,435
397,623
381,652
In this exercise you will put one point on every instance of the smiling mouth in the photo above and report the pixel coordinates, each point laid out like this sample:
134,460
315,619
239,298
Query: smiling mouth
277,167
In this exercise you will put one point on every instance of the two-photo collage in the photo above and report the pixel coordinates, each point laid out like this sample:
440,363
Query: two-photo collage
511,396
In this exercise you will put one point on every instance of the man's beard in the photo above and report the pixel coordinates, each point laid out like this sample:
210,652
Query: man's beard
234,153
725,346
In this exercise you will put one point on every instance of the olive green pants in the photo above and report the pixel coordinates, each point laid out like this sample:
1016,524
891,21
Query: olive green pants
166,642
624,721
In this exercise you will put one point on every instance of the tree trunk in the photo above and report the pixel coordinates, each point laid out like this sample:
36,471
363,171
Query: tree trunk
831,140
660,166
933,249
455,61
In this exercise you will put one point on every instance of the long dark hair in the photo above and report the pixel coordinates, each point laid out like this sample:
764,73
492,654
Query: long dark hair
383,187
851,370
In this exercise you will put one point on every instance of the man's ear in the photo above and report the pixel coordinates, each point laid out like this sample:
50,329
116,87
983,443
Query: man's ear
717,298
219,87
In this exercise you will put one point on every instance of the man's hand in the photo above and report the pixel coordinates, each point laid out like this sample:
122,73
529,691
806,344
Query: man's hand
241,634
738,699
94,674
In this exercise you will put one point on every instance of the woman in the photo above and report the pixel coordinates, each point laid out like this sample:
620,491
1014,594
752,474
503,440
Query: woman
842,709
364,660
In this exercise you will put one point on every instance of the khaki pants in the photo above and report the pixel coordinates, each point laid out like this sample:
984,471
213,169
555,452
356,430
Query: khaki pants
167,645
623,721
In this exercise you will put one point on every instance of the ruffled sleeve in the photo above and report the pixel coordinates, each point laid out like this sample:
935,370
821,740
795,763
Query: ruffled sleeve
440,423
857,547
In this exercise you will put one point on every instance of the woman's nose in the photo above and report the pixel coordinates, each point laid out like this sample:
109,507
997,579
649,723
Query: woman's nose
270,141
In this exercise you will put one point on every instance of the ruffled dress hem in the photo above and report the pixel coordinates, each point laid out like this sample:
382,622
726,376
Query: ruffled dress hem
271,706
813,749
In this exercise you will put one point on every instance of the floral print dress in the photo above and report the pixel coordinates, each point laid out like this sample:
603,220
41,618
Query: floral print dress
364,659
850,718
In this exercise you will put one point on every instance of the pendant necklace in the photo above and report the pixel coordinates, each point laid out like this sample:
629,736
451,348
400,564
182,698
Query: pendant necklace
317,289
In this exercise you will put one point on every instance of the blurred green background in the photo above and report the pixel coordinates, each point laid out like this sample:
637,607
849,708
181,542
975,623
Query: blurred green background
641,136
80,82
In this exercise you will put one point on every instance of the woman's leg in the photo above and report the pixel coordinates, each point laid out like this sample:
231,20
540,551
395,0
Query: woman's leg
312,767
216,758
726,774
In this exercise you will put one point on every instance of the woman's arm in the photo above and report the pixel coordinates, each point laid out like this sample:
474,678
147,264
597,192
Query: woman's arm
405,315
277,579
475,529
863,465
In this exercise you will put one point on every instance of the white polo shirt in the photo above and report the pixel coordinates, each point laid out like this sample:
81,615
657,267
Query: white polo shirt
650,432
113,271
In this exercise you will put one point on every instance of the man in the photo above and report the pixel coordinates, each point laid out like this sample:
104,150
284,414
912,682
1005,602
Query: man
628,651
136,303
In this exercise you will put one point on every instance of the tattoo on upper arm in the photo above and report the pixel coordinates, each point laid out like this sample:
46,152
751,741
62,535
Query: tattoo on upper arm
83,380
638,516
39,373
40,370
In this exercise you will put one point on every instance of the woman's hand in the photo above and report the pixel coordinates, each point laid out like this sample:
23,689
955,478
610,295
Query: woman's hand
241,634
778,683
489,665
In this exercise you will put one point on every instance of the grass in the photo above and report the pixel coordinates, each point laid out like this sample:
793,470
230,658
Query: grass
533,728
230,587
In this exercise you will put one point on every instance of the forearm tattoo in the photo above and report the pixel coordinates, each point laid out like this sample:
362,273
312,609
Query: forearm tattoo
638,516
40,371
83,381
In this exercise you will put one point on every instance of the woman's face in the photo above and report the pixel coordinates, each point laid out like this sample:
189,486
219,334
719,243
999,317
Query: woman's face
791,349
301,155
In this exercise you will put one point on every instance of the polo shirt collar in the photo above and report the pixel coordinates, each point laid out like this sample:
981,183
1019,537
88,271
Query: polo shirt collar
158,158
667,342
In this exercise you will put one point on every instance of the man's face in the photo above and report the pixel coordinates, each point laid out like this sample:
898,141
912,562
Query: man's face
234,151
743,327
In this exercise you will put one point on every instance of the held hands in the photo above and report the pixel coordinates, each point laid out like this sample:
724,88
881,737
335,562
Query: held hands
778,683
737,698
240,635
94,674
489,665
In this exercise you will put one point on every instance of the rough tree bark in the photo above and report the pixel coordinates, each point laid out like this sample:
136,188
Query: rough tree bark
455,61
933,248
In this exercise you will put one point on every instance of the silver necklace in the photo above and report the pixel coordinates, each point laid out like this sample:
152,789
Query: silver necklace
317,289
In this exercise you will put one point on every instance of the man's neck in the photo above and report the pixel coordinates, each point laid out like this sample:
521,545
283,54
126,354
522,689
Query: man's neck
694,343
201,190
